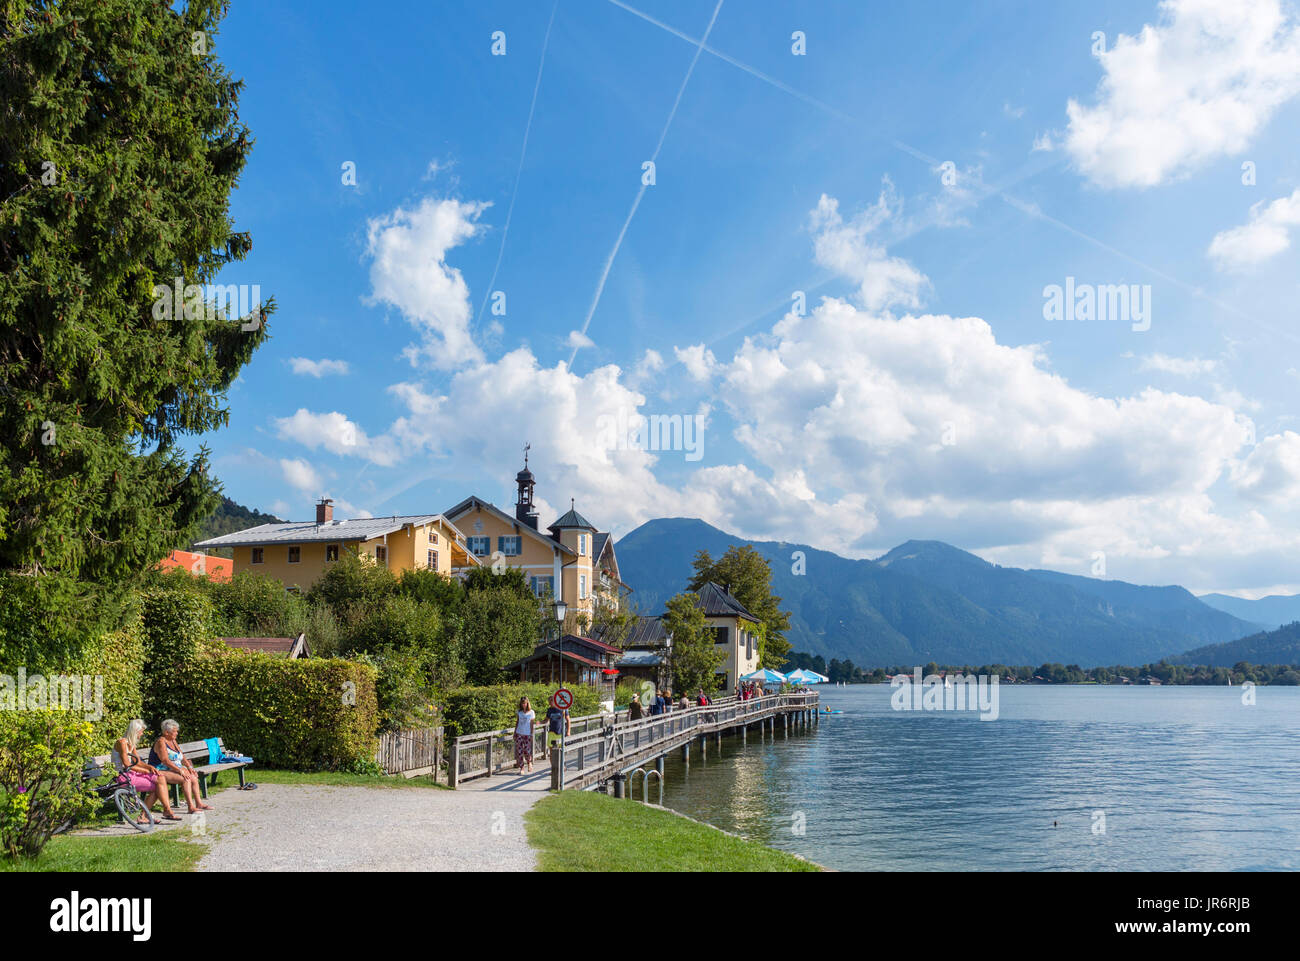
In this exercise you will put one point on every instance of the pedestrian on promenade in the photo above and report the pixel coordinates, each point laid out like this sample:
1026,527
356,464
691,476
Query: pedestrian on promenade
659,705
524,719
634,711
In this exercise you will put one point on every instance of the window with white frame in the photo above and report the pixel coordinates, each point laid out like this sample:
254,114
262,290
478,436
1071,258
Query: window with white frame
433,560
479,546
542,585
433,536
510,546
582,586
381,554
582,544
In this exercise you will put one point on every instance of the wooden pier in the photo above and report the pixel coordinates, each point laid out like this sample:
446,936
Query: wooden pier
602,749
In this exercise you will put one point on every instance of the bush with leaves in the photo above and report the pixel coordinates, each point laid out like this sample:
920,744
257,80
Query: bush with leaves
42,754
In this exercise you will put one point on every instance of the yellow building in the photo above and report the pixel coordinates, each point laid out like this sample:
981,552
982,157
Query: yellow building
570,560
299,552
735,632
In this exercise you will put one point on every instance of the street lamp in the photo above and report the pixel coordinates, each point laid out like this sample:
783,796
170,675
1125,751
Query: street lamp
561,609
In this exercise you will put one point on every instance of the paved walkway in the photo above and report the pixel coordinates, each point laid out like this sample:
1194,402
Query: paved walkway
281,827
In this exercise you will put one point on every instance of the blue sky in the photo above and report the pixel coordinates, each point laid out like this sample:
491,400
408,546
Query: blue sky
921,173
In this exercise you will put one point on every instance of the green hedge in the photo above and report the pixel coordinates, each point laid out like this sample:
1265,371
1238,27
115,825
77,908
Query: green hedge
120,659
309,714
469,710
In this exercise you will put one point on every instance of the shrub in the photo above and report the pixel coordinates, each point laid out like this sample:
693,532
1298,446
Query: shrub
254,605
175,623
304,715
41,758
352,581
499,626
473,709
120,659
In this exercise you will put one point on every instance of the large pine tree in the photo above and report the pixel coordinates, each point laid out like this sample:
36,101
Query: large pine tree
120,142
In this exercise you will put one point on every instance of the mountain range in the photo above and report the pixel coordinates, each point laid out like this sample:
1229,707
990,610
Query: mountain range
929,601
1271,612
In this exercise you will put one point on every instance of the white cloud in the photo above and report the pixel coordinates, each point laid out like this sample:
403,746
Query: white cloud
1272,471
317,368
1199,84
337,434
883,281
697,359
301,476
410,272
577,339
1043,142
1266,235
1180,366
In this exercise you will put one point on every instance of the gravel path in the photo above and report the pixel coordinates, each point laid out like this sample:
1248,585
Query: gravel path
281,827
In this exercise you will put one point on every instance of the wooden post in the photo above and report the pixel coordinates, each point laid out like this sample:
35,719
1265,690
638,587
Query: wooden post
453,765
686,752
557,769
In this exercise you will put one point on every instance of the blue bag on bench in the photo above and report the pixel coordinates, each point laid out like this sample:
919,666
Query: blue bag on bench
235,759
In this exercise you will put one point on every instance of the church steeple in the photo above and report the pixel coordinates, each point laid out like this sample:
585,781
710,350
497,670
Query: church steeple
525,513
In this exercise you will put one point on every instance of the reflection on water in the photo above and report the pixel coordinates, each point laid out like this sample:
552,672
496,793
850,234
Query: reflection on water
1165,778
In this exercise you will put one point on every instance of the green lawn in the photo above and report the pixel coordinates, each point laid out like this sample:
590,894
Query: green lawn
161,851
258,775
584,831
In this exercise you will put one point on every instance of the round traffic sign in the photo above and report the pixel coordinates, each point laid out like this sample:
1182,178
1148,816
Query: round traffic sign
563,699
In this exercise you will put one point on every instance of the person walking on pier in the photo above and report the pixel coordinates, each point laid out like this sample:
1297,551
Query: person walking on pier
524,719
634,711
659,705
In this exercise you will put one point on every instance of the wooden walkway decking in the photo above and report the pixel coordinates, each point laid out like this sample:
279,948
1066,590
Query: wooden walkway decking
597,751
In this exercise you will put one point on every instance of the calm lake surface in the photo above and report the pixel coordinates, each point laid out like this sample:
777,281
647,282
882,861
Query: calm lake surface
1189,778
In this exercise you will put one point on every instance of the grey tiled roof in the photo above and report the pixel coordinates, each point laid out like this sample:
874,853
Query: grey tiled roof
309,532
571,518
717,601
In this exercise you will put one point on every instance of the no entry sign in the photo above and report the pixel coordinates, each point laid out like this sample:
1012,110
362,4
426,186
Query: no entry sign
563,699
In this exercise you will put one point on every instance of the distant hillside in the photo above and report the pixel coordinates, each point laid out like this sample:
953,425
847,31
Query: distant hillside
231,517
926,600
1268,612
1281,646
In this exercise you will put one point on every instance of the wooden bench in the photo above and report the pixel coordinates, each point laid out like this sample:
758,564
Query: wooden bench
196,752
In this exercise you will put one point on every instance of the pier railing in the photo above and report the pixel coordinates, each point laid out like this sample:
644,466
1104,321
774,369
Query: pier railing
599,745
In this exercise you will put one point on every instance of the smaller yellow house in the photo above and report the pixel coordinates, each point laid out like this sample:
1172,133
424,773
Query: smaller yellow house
735,632
298,553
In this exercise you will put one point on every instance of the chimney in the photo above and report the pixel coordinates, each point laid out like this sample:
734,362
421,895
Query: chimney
324,511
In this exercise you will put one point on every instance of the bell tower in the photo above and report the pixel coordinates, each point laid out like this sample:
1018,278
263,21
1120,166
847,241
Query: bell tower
525,513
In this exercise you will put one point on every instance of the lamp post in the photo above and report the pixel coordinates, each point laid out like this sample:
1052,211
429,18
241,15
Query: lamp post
561,609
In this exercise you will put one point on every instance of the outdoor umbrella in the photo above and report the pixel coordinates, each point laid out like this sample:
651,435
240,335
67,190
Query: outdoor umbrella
766,676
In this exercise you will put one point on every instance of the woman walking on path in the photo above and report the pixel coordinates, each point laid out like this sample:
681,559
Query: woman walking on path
524,719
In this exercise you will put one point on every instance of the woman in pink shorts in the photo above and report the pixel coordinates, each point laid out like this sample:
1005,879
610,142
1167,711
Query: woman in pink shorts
143,777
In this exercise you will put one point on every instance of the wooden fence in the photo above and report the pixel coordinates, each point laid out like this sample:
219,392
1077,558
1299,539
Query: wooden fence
411,752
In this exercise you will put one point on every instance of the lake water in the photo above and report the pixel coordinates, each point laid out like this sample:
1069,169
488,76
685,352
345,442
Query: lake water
1188,778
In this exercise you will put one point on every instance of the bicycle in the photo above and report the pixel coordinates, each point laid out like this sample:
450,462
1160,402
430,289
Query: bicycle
121,793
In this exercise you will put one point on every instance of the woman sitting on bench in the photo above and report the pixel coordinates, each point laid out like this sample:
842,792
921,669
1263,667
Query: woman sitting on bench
143,778
173,766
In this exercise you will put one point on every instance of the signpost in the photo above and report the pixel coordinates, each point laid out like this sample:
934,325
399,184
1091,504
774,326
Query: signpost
562,699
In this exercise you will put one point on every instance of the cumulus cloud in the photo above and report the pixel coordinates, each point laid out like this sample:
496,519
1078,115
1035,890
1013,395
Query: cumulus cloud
1180,366
337,434
301,475
409,270
697,359
1199,84
577,340
317,368
1266,235
1272,471
845,248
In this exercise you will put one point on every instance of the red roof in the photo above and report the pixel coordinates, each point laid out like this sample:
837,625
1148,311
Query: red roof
217,568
